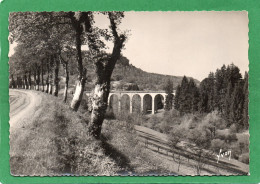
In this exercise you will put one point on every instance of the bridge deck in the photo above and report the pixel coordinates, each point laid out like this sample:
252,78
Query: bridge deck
134,91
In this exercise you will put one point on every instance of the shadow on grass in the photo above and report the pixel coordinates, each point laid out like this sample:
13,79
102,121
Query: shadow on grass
121,160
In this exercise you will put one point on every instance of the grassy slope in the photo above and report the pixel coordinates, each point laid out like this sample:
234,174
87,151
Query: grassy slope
57,143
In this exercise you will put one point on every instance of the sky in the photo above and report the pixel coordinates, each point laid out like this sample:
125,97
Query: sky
186,43
183,43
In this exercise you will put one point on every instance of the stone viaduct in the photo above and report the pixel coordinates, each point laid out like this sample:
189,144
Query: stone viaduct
148,100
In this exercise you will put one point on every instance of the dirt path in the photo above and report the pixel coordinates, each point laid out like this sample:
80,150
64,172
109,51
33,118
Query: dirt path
156,142
23,104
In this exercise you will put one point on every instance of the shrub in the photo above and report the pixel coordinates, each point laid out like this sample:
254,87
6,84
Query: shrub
175,136
231,138
154,121
244,158
124,146
164,127
109,114
233,128
235,152
217,144
84,105
118,77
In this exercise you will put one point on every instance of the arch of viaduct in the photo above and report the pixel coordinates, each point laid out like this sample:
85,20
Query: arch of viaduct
142,95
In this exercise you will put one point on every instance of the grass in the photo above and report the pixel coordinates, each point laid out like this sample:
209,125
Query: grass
123,144
57,143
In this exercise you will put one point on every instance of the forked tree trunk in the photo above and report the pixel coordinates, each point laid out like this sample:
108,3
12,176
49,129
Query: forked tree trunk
104,67
56,77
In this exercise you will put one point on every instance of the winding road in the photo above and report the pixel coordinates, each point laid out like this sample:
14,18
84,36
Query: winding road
23,104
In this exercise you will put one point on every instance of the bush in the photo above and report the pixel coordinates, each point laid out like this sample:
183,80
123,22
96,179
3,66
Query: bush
118,77
233,128
231,138
244,158
235,151
217,144
124,146
164,127
213,119
154,121
109,114
83,105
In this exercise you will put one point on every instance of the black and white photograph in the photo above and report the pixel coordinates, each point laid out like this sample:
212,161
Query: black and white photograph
134,93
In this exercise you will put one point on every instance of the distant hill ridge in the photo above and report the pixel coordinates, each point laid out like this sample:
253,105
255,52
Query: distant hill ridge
128,77
126,74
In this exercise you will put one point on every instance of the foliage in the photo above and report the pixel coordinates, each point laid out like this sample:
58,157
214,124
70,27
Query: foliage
126,148
169,98
187,96
224,91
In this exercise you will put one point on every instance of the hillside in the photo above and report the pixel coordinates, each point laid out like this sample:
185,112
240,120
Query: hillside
128,77
53,140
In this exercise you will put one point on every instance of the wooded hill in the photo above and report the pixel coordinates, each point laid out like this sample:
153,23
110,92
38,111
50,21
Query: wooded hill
128,77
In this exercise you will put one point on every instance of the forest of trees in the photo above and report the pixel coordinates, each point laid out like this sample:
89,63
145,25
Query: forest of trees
224,91
46,40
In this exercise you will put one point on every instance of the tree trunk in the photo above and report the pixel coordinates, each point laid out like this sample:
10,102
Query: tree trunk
47,79
30,80
34,78
38,80
65,95
80,84
78,94
50,75
50,83
56,77
179,163
25,82
17,82
98,107
104,70
12,85
42,76
104,67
